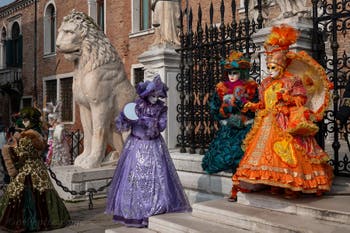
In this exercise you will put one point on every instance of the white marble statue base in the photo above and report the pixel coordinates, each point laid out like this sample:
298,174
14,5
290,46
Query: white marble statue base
79,179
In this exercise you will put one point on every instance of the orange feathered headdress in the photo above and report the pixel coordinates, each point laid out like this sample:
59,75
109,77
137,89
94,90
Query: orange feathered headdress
278,42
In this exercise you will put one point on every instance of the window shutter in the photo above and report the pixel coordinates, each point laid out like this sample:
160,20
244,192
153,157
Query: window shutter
9,53
20,51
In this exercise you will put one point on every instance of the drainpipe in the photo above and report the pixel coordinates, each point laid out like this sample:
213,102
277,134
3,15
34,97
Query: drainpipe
35,51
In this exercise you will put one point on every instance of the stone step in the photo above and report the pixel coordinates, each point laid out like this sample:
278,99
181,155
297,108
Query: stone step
128,230
329,208
193,177
218,185
185,222
341,186
195,196
192,163
262,220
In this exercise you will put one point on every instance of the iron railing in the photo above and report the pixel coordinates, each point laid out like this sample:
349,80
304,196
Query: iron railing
202,49
331,30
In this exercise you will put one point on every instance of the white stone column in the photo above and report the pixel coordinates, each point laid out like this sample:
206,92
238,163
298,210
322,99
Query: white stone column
2,55
163,60
92,9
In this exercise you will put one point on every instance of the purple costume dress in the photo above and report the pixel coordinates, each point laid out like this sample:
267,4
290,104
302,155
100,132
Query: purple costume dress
145,182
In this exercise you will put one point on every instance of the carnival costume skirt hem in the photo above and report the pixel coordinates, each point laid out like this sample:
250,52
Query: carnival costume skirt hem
145,183
141,222
311,183
225,152
33,211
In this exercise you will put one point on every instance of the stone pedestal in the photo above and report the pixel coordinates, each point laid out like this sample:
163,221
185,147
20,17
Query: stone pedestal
163,60
79,179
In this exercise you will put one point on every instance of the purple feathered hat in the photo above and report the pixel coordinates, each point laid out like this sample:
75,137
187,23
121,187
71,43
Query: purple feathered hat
156,87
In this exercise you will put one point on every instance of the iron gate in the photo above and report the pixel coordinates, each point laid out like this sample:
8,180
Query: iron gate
201,52
203,46
331,31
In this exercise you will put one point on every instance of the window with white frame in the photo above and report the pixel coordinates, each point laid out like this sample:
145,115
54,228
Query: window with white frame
26,101
138,75
59,89
101,14
50,29
141,15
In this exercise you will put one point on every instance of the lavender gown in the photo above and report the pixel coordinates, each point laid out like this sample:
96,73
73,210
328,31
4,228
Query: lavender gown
145,182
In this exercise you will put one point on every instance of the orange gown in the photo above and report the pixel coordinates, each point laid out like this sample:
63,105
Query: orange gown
273,155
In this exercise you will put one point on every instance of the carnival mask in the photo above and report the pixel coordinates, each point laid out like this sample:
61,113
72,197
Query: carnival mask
233,75
26,122
275,71
152,99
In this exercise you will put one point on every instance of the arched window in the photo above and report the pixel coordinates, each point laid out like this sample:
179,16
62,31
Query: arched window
15,37
50,29
14,47
3,34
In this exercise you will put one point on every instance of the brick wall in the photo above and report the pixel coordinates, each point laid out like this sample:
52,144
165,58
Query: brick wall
118,27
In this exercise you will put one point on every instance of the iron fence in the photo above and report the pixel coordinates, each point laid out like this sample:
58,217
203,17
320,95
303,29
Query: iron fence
75,140
206,44
202,49
331,31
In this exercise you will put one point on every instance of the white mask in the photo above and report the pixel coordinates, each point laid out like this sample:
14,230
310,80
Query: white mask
233,76
152,99
274,70
26,123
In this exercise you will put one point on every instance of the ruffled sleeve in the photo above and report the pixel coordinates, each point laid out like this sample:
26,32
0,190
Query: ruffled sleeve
122,123
156,122
214,106
163,119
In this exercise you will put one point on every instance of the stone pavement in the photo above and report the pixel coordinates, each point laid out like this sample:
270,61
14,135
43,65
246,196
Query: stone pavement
84,220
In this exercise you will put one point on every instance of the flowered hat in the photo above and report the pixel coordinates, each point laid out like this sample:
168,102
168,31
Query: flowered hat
33,114
156,87
236,60
278,42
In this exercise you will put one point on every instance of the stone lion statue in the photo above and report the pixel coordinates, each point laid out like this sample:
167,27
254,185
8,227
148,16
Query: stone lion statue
100,86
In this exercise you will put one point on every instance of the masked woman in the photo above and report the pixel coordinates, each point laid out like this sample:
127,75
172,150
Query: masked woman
225,152
280,150
58,148
145,182
30,202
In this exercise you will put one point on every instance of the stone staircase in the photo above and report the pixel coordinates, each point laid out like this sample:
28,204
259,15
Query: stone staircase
253,212
257,212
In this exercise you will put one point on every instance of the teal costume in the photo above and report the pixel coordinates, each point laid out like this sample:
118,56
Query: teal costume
226,106
225,150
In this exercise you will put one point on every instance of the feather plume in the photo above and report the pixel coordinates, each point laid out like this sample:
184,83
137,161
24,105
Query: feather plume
283,36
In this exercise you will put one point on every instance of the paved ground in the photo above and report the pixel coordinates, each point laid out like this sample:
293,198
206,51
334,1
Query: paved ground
84,220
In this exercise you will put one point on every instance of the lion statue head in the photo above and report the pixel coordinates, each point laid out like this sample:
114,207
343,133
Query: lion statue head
83,42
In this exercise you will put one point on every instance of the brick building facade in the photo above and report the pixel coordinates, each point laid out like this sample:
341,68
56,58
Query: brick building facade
126,23
54,73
